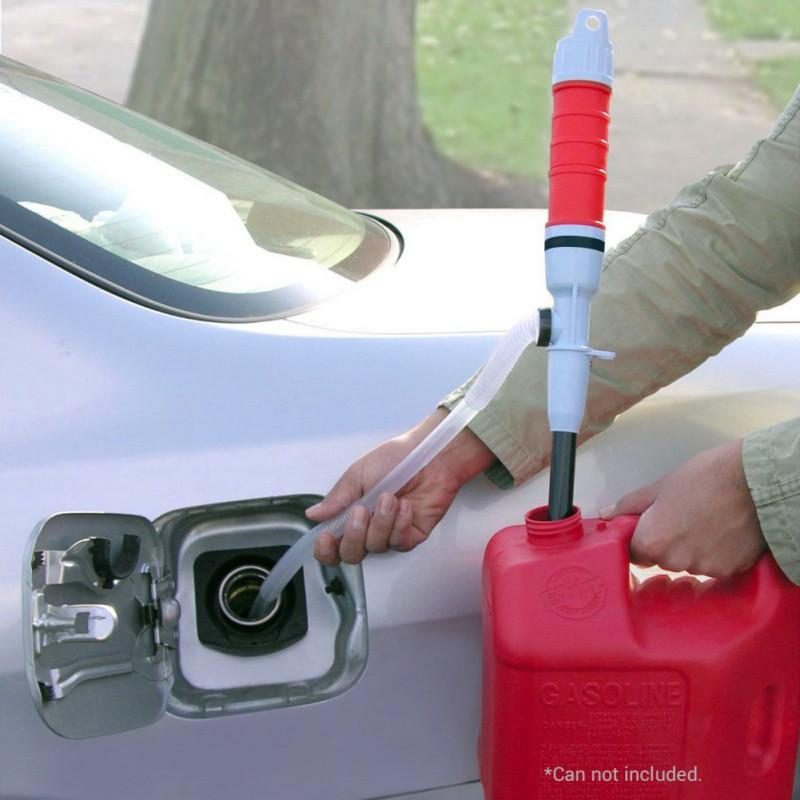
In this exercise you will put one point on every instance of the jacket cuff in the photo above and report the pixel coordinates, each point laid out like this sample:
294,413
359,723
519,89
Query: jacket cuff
511,459
771,461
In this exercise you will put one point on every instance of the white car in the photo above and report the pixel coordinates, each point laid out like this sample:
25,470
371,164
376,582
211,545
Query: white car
193,350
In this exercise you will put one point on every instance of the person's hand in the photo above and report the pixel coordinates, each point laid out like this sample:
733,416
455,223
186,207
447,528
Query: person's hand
399,522
699,518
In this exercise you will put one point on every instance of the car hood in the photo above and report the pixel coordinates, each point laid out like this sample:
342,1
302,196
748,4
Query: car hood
461,271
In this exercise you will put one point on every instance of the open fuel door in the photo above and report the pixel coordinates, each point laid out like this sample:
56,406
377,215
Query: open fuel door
102,623
122,617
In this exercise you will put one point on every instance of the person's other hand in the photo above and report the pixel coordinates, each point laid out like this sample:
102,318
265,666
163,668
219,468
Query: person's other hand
699,518
399,522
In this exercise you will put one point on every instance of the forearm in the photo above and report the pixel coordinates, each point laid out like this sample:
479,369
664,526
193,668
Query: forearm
464,458
690,281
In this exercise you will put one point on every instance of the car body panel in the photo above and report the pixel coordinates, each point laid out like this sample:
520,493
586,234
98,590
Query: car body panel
461,270
479,271
108,405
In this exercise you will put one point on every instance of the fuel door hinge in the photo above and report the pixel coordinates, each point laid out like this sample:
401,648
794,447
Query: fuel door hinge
163,612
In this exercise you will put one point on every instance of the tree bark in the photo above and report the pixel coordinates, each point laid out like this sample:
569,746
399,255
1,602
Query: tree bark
321,92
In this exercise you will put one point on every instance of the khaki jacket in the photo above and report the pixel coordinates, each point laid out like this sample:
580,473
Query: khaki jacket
724,249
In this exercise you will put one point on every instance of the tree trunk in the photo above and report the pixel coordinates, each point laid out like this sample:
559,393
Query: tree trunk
321,92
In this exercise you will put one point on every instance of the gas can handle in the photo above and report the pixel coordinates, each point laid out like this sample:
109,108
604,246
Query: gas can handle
622,528
762,577
767,582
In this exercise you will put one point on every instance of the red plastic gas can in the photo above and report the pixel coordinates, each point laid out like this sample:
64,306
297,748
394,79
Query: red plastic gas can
598,686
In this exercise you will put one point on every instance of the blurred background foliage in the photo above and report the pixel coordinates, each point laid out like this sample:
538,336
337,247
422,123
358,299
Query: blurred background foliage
484,79
698,82
757,19
774,20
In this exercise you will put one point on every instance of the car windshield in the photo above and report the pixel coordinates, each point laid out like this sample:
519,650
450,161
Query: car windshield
164,218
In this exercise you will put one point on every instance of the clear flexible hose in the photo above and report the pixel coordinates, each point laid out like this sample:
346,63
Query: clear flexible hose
483,389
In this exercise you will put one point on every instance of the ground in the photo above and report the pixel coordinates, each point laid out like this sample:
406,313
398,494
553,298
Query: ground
768,36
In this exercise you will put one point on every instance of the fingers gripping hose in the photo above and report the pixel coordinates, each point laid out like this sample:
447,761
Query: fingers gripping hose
483,389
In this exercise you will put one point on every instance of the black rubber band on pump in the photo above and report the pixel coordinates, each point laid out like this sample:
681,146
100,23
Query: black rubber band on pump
588,242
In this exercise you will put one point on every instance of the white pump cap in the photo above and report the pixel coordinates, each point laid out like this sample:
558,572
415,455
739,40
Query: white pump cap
587,53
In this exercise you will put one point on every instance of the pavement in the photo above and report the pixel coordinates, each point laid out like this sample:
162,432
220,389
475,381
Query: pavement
767,49
92,43
683,99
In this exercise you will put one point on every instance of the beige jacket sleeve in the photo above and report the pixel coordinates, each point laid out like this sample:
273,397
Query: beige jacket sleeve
687,283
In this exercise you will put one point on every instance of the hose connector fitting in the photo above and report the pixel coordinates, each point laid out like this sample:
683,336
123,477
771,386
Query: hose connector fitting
545,327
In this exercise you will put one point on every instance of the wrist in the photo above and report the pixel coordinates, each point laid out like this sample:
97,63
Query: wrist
466,456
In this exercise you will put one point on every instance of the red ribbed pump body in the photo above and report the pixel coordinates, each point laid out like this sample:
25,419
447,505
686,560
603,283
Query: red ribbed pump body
597,686
579,153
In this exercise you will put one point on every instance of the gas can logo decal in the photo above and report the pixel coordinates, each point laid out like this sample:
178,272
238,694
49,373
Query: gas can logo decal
575,593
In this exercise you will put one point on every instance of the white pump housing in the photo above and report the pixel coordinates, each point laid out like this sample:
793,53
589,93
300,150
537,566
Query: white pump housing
573,277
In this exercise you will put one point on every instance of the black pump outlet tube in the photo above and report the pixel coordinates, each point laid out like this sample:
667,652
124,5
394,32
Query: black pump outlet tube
562,475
